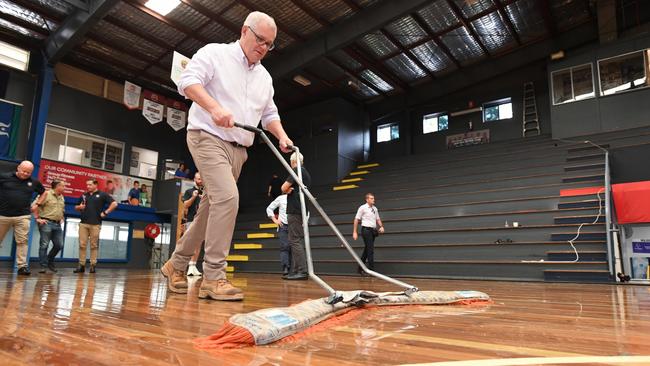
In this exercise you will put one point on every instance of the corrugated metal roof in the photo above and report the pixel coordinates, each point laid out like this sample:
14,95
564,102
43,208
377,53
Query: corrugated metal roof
190,46
405,68
111,54
493,32
332,10
376,80
438,16
215,6
216,33
377,44
406,30
288,15
59,7
237,14
20,30
115,34
462,45
569,12
29,16
469,8
187,16
432,57
527,19
147,24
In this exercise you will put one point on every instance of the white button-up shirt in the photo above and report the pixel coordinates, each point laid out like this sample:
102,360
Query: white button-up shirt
281,202
244,90
367,215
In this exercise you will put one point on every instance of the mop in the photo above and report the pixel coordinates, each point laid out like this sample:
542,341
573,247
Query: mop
266,326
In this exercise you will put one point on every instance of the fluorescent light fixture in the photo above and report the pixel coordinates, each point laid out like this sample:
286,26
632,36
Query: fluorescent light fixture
302,80
13,56
557,55
162,7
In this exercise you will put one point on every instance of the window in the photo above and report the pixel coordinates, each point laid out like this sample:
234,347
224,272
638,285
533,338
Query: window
113,241
625,72
497,110
80,148
13,56
573,84
435,122
144,163
388,132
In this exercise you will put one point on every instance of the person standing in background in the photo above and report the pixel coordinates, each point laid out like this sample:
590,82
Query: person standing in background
49,216
92,206
16,192
280,204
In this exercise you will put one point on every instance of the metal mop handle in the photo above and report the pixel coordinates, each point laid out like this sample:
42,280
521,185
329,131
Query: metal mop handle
334,297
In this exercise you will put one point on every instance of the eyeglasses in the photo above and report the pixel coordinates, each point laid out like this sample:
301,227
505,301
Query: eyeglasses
261,41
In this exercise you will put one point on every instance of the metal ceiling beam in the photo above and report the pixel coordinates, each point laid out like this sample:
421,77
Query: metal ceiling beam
79,4
121,64
379,69
506,19
346,32
356,76
435,38
74,28
459,14
407,52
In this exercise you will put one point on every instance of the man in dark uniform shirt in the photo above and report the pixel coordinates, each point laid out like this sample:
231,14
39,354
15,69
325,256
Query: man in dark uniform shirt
92,206
16,191
294,218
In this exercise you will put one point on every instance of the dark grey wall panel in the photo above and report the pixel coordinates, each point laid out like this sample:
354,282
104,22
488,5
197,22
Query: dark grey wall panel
602,113
20,89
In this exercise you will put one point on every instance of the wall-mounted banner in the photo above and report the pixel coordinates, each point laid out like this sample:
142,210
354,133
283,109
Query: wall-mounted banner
176,115
118,186
179,62
9,123
153,107
132,95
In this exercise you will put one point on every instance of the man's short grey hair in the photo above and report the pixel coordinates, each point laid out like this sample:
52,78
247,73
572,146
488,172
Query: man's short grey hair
254,18
295,156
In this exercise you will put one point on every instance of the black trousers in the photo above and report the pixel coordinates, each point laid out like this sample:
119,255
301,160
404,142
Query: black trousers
296,234
368,256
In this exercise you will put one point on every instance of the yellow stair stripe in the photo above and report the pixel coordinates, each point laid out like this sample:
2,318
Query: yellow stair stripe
371,165
271,225
260,235
230,269
248,246
351,180
237,258
341,188
359,172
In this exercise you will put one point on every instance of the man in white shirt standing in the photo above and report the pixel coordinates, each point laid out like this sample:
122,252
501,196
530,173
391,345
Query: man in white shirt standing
371,226
280,203
227,84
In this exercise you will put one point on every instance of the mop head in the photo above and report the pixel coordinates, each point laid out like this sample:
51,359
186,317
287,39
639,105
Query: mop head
270,325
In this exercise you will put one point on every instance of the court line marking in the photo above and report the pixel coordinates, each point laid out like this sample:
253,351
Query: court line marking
470,344
544,361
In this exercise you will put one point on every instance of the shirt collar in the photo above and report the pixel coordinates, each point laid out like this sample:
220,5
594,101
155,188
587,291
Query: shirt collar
242,56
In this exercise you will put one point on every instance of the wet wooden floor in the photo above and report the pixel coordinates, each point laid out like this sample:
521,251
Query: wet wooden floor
127,317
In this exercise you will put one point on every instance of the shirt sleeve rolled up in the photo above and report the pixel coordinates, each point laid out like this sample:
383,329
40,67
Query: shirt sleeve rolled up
200,70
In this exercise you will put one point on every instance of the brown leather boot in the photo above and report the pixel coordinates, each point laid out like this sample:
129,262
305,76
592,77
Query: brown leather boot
176,281
220,290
